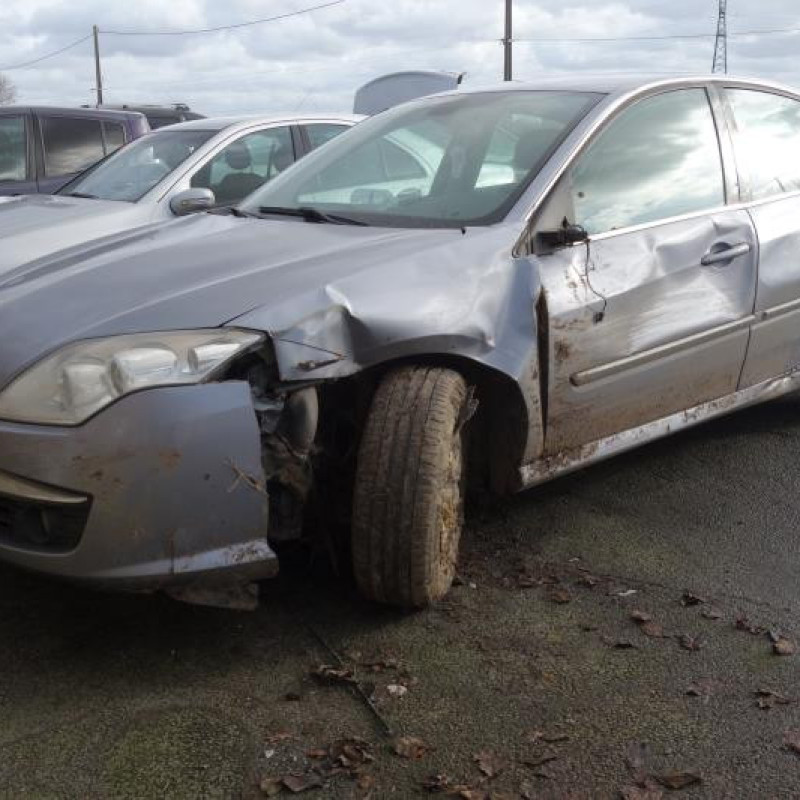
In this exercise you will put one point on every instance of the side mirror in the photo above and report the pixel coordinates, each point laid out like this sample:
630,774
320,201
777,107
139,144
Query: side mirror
565,236
191,200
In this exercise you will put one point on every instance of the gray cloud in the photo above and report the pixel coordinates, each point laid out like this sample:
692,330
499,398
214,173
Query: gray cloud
314,62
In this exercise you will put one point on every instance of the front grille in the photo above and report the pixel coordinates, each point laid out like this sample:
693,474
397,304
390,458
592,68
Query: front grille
40,527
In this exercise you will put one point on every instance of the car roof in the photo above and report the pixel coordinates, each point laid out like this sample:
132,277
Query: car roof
225,123
91,113
621,83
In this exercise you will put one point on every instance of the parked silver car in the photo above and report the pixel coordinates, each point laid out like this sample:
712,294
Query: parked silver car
485,287
177,170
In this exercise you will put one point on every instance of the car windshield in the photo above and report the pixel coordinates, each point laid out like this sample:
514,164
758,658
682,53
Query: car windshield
450,161
135,169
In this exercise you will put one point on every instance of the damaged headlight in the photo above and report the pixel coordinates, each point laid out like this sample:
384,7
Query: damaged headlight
70,385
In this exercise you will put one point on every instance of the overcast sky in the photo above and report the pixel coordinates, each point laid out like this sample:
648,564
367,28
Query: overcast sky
315,61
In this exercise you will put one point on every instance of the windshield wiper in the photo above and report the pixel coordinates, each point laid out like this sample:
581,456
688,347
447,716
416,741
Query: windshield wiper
233,211
82,194
311,215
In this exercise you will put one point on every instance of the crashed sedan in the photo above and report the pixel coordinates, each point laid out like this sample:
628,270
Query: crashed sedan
482,289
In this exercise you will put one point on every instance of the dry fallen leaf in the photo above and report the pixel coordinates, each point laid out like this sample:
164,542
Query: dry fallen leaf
560,596
272,787
327,673
281,736
792,741
767,698
397,689
783,647
690,599
692,643
744,624
652,629
711,613
350,753
640,616
488,763
301,783
618,644
365,782
641,793
539,761
443,784
702,688
678,779
411,747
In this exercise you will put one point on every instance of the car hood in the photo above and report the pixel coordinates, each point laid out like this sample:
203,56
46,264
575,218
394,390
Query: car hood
207,270
34,225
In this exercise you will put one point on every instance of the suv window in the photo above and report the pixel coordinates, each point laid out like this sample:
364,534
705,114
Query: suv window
70,145
767,141
660,158
114,135
319,133
13,149
245,164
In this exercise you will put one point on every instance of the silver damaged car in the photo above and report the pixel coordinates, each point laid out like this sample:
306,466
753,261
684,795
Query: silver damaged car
478,289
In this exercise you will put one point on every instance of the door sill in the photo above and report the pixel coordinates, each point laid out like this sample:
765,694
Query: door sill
546,469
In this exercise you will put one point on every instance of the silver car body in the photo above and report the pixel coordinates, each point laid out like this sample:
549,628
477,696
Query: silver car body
577,353
32,226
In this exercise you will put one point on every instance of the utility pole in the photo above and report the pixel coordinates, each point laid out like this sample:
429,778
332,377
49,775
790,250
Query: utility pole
507,40
721,43
98,74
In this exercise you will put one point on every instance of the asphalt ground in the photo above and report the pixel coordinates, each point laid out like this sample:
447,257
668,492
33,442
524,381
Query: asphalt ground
533,679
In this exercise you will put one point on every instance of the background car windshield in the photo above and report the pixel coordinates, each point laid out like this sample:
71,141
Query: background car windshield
137,168
443,162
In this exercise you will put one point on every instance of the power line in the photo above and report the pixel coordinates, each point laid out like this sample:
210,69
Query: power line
48,55
760,32
83,39
224,27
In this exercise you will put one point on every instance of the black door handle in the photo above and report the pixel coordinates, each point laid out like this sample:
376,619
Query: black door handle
722,253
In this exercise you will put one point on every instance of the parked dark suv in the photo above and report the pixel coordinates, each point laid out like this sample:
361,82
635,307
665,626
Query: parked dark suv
161,116
42,148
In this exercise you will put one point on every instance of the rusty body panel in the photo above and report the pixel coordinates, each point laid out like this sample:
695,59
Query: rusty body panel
581,350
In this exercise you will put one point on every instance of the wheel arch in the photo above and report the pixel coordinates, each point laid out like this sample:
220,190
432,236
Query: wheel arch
499,429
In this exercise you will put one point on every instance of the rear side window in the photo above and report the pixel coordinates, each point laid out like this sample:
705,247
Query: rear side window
660,158
70,145
114,135
13,149
767,141
246,164
323,132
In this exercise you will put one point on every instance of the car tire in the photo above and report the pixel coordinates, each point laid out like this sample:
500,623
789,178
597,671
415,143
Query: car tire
408,504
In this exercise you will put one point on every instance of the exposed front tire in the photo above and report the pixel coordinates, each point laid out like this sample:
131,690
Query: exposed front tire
408,504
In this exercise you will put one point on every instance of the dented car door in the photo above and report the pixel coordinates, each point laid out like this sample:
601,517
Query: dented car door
650,315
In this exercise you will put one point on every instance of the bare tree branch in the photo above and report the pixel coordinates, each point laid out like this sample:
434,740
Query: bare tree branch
8,92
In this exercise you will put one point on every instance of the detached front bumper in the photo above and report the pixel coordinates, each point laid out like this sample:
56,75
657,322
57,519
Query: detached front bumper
163,489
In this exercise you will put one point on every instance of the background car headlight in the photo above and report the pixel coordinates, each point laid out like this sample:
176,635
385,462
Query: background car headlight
70,385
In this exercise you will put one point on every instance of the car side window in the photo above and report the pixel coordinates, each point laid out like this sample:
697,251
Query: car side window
114,135
658,159
246,164
322,132
70,145
13,149
767,141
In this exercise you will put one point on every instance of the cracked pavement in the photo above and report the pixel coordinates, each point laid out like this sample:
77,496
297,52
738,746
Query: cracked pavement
140,697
